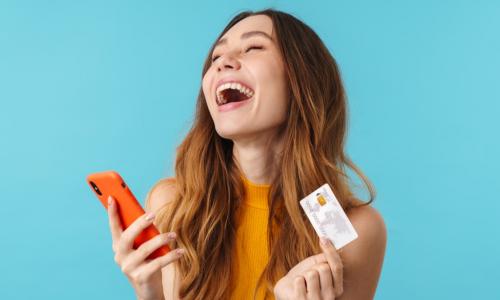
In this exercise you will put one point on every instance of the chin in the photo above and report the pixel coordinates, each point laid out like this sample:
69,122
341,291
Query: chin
228,132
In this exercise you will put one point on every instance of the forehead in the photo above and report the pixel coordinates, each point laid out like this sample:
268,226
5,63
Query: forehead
253,23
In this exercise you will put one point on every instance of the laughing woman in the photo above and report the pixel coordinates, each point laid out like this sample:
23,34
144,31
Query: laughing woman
270,128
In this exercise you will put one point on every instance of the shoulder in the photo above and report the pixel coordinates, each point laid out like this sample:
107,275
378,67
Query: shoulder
363,258
160,194
372,233
369,224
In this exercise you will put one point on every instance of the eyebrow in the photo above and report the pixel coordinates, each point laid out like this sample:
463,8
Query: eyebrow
245,36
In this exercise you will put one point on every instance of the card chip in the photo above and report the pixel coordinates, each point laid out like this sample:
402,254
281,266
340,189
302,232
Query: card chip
321,200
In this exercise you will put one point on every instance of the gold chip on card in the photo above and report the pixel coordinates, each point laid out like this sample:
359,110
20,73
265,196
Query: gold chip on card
321,200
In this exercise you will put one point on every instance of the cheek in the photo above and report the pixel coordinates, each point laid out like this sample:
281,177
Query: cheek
272,80
269,71
206,87
204,83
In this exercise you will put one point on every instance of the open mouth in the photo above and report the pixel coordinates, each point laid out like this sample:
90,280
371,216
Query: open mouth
232,92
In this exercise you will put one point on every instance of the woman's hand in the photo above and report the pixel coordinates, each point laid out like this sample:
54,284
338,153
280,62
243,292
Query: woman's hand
144,274
317,277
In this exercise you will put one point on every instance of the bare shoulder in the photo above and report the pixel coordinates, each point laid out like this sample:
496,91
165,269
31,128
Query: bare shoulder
363,258
369,225
160,194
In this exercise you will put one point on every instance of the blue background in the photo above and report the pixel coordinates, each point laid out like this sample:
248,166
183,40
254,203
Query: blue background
95,85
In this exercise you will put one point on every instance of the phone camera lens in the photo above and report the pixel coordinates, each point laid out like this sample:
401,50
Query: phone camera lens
96,189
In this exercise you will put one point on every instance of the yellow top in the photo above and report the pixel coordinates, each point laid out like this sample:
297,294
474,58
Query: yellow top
251,249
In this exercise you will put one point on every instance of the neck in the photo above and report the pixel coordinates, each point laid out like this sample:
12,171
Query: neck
257,157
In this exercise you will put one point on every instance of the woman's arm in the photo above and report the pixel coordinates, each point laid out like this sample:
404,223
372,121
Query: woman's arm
363,258
161,194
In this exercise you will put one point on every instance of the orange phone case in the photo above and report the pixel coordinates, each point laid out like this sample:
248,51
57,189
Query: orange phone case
129,209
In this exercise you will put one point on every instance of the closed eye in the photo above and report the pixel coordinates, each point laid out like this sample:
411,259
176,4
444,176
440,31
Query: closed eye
246,50
253,47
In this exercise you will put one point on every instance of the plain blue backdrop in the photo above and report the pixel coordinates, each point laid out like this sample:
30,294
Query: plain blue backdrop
87,86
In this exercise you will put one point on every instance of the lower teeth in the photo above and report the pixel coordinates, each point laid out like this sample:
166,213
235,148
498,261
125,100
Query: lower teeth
224,103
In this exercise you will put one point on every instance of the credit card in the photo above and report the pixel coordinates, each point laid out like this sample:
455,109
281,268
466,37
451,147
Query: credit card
327,216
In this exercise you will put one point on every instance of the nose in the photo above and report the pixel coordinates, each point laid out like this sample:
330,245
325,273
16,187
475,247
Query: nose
227,62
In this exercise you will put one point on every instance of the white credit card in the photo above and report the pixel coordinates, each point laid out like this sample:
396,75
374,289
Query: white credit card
327,216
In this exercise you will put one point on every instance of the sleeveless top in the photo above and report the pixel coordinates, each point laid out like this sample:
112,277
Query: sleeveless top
250,249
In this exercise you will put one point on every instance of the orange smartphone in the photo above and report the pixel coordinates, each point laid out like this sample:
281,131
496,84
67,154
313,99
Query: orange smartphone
129,209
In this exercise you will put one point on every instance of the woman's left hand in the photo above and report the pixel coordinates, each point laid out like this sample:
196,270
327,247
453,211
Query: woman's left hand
318,277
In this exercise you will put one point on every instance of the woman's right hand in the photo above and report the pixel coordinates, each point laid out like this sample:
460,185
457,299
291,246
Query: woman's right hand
144,274
318,277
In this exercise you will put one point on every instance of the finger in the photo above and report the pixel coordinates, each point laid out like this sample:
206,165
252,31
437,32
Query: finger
299,286
312,283
129,235
335,263
325,280
307,263
160,262
144,250
114,222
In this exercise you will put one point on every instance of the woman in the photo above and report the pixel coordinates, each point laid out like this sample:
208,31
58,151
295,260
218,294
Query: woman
269,129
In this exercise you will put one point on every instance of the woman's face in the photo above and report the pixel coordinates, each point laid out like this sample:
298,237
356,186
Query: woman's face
247,54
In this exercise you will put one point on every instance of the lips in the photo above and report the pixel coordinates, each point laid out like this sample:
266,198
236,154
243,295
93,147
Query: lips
233,105
234,83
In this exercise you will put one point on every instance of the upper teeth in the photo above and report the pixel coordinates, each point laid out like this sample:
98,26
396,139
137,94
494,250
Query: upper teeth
231,85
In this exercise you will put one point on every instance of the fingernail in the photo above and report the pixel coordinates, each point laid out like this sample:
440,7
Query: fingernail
325,241
171,235
180,251
150,216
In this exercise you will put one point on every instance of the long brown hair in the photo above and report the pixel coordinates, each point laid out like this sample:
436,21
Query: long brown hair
209,184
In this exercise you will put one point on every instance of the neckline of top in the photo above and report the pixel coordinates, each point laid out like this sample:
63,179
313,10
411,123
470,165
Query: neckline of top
253,184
